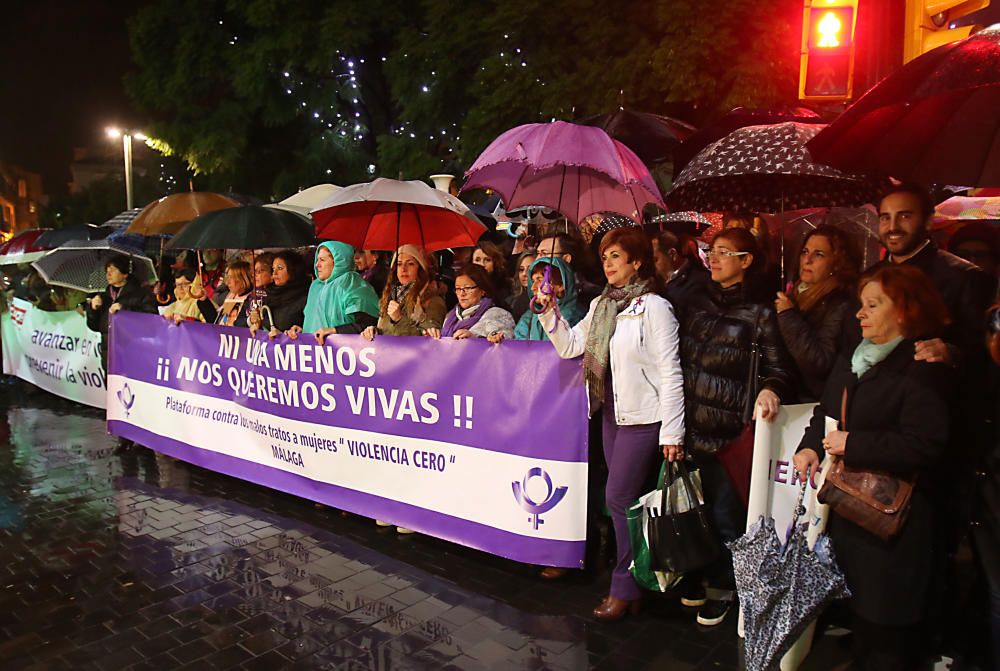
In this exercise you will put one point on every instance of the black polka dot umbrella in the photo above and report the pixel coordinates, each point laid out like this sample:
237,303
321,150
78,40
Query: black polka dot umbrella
767,169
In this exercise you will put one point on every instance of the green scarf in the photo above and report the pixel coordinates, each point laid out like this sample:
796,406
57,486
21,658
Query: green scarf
868,354
602,326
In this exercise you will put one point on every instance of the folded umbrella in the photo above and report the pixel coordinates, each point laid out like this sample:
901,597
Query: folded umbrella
386,213
246,227
80,264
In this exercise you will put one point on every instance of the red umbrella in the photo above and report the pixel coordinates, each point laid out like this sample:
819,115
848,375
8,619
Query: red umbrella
934,120
387,213
577,170
22,248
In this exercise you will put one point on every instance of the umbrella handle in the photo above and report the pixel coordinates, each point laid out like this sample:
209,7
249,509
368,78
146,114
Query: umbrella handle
545,289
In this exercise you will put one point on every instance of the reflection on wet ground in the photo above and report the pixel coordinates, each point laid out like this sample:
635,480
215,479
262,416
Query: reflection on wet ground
137,561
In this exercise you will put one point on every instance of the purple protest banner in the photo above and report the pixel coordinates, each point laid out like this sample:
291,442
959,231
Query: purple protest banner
479,444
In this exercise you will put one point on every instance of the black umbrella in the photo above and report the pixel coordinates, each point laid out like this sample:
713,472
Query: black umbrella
247,227
766,169
739,117
652,137
59,236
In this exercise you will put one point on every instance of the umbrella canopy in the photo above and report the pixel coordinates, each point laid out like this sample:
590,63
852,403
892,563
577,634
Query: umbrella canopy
596,225
247,227
739,117
577,170
386,213
123,219
690,222
22,248
169,214
80,265
781,589
766,169
934,120
965,208
59,236
652,137
306,200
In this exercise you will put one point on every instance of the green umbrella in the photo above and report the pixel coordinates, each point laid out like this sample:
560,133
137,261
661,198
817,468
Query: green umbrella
247,227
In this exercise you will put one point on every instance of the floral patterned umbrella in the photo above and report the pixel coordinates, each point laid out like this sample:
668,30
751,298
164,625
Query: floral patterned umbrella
965,209
766,169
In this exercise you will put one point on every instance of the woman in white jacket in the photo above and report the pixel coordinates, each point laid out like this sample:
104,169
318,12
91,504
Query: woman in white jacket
632,367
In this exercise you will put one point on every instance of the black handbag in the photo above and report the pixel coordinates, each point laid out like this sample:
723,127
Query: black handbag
681,541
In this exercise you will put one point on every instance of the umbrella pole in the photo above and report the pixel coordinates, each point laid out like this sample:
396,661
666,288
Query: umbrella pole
781,224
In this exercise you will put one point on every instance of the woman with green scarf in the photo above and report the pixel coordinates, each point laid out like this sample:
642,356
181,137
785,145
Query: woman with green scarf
631,364
339,300
563,282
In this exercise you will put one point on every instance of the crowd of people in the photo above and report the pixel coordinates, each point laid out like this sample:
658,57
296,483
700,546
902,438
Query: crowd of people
682,351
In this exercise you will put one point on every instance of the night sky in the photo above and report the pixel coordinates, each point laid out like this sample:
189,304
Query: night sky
61,69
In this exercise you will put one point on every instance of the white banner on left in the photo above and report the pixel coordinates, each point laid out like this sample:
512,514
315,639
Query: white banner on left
55,351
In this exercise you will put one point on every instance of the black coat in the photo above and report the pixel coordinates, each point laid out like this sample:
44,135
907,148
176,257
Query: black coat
287,305
133,297
691,280
717,336
897,422
813,340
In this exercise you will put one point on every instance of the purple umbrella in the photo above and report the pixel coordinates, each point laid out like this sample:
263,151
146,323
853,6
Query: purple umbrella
577,170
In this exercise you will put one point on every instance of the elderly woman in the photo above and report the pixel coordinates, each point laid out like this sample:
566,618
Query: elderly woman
725,337
339,300
897,423
476,315
124,292
407,308
631,331
187,285
812,317
286,294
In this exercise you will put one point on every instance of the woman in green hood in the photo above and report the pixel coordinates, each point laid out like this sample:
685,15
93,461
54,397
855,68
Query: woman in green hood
563,281
339,300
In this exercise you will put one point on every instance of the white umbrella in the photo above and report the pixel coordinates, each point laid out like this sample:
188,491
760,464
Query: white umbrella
306,200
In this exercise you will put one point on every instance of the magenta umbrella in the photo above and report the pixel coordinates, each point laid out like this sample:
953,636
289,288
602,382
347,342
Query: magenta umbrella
577,170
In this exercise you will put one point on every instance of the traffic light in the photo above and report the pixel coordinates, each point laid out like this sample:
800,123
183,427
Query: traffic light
929,24
826,69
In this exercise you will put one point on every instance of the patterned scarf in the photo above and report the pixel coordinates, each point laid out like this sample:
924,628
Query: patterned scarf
602,327
452,322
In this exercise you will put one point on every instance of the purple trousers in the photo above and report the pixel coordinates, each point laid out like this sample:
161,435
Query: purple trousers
631,453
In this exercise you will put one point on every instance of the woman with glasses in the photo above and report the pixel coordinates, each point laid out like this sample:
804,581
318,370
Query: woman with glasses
477,314
812,315
187,290
628,340
735,367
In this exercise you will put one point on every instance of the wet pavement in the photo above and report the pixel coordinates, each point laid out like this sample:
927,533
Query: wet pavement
138,561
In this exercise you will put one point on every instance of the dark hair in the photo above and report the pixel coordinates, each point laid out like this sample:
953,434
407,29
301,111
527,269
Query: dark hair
478,275
744,241
267,258
980,231
922,194
294,264
846,256
186,273
122,262
922,311
634,242
497,256
567,243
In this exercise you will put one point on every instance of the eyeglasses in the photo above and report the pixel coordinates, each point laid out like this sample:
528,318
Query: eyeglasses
182,285
465,290
724,252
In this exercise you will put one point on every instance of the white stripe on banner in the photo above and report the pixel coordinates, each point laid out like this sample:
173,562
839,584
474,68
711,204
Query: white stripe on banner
457,480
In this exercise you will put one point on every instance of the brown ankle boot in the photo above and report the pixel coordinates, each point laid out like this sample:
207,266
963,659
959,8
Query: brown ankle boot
613,608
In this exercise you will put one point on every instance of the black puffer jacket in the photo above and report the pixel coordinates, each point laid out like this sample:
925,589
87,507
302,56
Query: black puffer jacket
717,336
813,340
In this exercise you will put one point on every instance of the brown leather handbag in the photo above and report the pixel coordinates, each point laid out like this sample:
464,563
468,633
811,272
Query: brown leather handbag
874,500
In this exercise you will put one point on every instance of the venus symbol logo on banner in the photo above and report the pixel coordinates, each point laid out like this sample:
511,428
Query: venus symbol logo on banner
126,398
552,497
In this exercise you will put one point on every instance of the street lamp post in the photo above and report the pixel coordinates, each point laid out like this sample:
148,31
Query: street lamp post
126,137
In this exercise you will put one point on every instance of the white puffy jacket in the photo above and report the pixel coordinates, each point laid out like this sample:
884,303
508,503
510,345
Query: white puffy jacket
645,362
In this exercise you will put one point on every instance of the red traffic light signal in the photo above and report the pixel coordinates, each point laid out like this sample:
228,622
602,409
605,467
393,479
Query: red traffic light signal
826,70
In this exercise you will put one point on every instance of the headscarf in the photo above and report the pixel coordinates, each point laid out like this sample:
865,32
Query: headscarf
602,326
459,319
332,301
188,308
528,327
